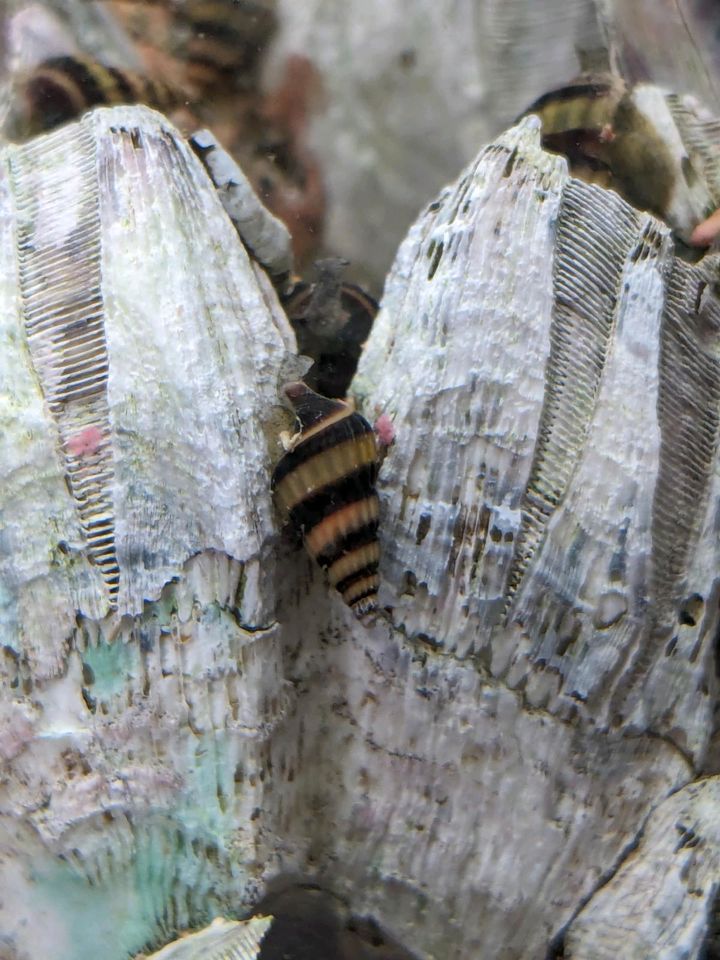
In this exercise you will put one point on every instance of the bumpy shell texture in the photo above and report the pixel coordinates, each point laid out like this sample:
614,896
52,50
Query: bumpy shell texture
472,770
570,529
142,350
121,244
263,234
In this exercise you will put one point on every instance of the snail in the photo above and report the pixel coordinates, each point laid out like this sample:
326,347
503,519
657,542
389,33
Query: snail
62,88
332,319
325,486
643,142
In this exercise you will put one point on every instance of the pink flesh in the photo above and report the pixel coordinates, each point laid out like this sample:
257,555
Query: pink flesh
85,443
384,429
705,232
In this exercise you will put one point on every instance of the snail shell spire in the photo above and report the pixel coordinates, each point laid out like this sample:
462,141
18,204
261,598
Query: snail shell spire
325,486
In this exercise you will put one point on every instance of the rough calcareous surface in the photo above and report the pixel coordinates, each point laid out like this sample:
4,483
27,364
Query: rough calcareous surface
140,360
189,712
554,509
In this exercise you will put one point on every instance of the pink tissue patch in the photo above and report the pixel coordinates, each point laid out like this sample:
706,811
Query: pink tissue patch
85,443
385,430
706,232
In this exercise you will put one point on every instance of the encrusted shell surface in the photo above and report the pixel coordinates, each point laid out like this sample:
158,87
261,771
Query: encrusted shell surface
120,332
222,940
473,770
136,333
558,498
656,904
263,234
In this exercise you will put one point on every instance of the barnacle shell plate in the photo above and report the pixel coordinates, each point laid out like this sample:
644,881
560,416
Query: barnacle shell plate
390,732
125,296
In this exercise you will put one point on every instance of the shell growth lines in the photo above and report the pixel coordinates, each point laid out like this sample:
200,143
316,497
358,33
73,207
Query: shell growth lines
58,249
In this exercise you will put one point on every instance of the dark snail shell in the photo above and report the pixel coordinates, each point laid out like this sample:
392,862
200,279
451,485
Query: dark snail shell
331,326
325,486
61,89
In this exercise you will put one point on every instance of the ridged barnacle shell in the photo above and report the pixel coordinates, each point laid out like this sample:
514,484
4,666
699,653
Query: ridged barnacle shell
141,352
117,241
485,327
325,486
222,940
554,503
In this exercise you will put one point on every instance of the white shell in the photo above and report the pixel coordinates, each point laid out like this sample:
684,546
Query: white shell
264,235
470,771
222,940
122,316
135,450
656,904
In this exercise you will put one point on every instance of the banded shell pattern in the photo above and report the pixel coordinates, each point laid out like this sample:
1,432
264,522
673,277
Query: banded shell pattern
325,485
654,148
61,89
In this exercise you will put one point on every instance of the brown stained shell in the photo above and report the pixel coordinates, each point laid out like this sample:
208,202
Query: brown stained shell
325,486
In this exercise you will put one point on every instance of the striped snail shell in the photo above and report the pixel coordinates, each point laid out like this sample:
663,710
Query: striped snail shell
61,89
654,148
325,486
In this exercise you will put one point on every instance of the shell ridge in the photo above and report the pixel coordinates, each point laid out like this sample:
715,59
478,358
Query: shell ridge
688,444
595,233
59,237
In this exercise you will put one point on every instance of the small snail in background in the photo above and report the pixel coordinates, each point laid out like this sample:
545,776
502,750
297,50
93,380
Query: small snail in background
635,141
62,88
